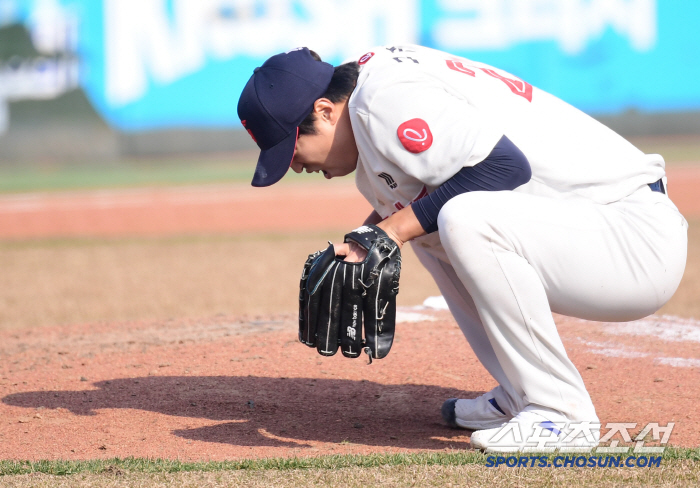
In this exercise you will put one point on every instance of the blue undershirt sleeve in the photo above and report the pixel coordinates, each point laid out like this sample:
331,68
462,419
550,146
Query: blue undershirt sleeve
505,168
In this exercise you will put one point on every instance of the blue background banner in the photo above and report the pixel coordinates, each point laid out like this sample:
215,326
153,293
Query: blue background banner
152,64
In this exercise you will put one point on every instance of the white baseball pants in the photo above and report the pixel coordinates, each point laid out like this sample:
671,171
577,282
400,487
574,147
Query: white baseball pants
508,259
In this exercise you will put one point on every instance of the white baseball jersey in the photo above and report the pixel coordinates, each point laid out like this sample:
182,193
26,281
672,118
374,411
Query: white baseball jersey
420,115
584,237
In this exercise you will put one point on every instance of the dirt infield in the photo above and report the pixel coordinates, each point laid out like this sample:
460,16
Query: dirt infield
182,210
240,388
221,208
229,386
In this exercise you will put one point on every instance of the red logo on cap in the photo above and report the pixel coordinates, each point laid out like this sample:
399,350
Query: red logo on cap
249,131
415,135
365,58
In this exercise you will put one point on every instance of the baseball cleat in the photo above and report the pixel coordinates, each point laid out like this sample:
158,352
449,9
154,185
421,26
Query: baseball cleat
530,431
479,413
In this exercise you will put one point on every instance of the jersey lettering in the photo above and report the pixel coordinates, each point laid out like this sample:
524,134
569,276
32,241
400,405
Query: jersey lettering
365,58
399,49
415,135
399,58
517,86
459,66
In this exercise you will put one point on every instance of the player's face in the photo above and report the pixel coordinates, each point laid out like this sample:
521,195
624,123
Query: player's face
332,150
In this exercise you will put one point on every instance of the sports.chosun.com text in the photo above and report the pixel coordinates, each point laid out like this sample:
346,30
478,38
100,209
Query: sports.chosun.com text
573,461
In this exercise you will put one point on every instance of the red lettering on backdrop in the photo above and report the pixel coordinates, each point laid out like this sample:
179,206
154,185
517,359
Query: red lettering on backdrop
415,135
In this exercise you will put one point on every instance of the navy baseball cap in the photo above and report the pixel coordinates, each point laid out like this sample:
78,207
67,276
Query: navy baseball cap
276,99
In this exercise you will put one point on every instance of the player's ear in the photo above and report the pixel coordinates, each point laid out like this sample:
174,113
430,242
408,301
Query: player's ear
325,110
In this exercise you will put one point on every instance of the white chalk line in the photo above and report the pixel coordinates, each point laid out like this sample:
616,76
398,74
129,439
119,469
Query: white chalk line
667,328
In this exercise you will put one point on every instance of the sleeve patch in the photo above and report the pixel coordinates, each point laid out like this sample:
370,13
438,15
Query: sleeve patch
365,58
415,135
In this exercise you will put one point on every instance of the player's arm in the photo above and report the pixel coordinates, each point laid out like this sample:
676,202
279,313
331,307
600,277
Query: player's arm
505,168
402,226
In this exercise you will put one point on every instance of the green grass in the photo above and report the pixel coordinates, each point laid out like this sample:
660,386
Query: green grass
231,168
236,168
57,177
334,462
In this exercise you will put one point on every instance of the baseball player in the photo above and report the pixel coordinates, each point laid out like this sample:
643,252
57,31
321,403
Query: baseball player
518,204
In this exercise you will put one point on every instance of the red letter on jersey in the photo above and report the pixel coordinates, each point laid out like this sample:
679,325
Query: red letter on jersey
459,66
365,58
519,87
415,135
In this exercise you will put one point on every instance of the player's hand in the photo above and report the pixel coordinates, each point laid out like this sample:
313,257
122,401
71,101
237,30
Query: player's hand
354,253
399,227
338,299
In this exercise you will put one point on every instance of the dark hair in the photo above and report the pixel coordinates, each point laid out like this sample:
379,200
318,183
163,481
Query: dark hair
341,86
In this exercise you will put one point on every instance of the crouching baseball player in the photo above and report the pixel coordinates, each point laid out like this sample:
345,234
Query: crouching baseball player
518,204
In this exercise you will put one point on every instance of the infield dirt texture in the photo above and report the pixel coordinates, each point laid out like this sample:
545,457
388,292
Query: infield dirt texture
162,323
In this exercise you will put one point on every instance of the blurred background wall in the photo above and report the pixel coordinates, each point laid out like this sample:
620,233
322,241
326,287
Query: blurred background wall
100,80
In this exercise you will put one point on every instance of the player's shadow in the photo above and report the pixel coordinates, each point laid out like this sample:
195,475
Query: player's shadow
259,411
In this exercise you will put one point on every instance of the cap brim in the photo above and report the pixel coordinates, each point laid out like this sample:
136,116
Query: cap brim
274,162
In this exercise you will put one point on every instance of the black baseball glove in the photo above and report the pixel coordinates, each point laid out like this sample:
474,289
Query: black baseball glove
335,295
